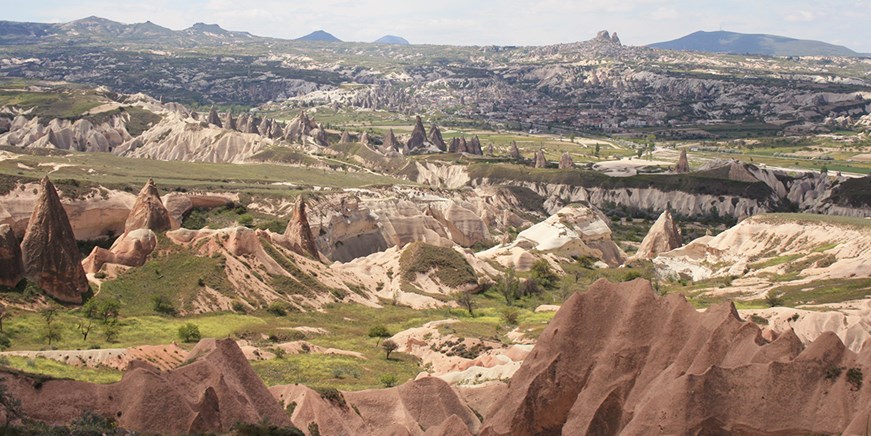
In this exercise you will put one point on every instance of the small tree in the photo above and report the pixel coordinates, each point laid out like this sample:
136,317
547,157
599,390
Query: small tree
464,299
509,286
90,314
598,148
379,332
3,315
772,299
52,334
389,346
163,305
388,380
189,332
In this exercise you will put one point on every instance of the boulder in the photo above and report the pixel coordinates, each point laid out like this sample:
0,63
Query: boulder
50,255
11,267
663,236
148,211
298,234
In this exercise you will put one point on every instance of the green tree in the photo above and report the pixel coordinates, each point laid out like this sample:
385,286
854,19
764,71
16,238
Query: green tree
509,286
464,299
189,333
379,332
163,305
598,149
543,274
52,334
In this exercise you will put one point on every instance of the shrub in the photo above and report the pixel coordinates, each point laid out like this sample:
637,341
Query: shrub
464,299
543,274
239,307
189,333
834,372
163,305
388,380
510,315
854,377
332,395
379,332
773,300
277,308
265,428
631,275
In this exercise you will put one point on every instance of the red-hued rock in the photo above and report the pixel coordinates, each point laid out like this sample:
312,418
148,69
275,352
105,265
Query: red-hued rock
11,267
148,211
298,234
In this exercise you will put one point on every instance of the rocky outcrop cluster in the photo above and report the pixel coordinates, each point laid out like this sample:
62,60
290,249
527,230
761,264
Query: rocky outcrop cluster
84,134
50,255
418,137
656,365
461,145
11,266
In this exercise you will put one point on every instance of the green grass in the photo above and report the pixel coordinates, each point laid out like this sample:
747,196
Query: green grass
824,292
450,267
55,369
52,104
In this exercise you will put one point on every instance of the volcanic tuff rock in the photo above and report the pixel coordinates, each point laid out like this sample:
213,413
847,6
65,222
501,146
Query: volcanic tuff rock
566,162
435,136
298,233
11,267
131,249
210,394
390,143
49,251
346,137
85,134
214,118
515,152
663,236
475,146
418,135
540,160
229,122
148,212
656,365
683,165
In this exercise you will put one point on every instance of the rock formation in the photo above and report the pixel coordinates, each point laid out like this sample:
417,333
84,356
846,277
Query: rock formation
265,127
663,236
435,137
490,151
540,160
49,252
130,249
298,233
214,118
390,143
514,153
475,146
418,135
211,394
148,212
346,137
455,146
364,138
566,162
230,122
11,267
683,165
615,39
658,366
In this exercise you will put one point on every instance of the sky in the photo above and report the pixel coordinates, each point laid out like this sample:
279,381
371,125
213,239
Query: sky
481,22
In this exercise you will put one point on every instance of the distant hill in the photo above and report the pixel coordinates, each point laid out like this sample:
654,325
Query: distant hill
761,44
392,39
320,36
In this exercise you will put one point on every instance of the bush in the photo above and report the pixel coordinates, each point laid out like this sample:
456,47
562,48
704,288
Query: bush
388,380
854,377
543,274
163,305
189,333
389,346
510,315
332,395
264,428
380,332
277,308
773,300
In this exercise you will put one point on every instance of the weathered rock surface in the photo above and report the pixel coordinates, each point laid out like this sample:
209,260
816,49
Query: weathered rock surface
390,142
418,137
298,233
566,161
148,211
49,251
130,249
435,137
663,236
540,159
514,152
11,266
214,119
212,393
709,371
683,164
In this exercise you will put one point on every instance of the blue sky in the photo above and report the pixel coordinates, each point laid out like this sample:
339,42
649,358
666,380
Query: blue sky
505,22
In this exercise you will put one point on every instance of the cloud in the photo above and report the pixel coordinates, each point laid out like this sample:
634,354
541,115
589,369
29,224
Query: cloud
800,17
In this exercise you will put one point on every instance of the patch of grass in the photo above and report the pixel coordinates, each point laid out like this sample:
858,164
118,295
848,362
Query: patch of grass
449,267
824,292
55,369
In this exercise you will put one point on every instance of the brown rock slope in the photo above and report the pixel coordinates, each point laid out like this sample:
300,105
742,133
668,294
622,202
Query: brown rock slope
424,406
51,257
620,360
298,232
11,268
663,236
148,212
210,394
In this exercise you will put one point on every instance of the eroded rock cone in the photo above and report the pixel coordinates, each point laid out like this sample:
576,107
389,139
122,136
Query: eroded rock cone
566,162
265,127
319,135
475,146
515,152
455,145
663,236
299,234
214,118
540,160
390,142
277,131
683,164
230,122
462,145
346,138
490,151
242,123
364,138
148,211
49,252
11,266
418,135
615,39
251,126
435,136
656,365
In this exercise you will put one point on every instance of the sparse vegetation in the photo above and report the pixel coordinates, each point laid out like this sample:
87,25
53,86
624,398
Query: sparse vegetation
189,333
389,346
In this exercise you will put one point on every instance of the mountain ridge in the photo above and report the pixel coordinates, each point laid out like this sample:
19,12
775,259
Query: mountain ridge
754,43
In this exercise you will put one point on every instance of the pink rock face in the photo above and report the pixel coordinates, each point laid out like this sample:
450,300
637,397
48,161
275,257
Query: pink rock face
148,212
11,267
298,234
51,257
131,249
618,359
